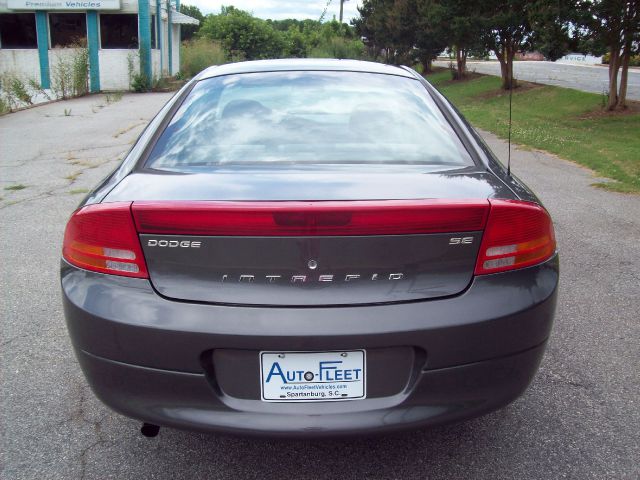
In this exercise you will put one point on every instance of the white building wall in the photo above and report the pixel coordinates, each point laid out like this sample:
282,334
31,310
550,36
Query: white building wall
165,47
175,49
25,63
128,6
155,63
114,68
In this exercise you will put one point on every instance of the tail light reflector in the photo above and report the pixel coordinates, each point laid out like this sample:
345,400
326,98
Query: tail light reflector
386,217
103,238
518,234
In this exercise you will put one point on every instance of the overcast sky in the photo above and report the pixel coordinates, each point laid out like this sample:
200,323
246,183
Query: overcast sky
279,9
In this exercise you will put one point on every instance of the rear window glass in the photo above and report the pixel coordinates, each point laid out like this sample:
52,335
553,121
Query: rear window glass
307,118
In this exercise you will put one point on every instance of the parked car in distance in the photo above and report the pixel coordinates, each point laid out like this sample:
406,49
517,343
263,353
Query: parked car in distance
309,248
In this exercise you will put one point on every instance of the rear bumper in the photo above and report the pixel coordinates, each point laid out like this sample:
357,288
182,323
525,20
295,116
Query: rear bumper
151,358
187,400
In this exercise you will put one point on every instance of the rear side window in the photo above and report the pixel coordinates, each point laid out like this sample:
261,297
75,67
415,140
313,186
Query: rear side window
304,119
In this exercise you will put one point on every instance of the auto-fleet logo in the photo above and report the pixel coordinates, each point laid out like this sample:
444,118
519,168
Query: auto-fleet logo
327,371
324,278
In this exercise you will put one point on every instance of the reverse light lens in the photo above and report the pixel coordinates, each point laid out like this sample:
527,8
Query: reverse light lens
116,253
102,238
518,234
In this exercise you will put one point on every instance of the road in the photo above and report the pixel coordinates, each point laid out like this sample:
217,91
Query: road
579,420
589,78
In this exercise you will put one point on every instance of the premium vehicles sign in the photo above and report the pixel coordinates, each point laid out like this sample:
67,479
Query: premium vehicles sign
63,4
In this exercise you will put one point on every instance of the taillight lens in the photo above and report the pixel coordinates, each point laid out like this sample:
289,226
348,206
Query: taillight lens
369,217
518,234
103,238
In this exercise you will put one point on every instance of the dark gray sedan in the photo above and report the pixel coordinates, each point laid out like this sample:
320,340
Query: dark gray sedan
308,248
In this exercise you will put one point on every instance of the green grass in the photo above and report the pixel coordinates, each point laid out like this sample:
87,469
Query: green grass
77,191
565,122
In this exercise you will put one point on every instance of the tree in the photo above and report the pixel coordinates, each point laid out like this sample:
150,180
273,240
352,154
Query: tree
616,24
389,28
507,29
243,35
553,24
431,36
372,26
457,23
188,31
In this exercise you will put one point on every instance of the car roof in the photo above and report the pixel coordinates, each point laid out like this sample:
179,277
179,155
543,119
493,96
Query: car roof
298,64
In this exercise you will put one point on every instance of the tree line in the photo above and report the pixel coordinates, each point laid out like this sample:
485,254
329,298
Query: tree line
245,37
410,31
404,31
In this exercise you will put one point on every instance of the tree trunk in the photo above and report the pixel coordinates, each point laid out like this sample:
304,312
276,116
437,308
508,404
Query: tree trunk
508,81
503,71
614,66
622,94
461,60
427,63
464,60
501,53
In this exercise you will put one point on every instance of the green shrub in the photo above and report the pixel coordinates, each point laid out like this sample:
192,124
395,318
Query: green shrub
634,61
239,31
70,72
37,89
19,90
140,83
16,92
196,55
338,47
4,106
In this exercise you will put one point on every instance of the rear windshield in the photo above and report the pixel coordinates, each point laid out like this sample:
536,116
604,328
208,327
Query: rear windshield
307,118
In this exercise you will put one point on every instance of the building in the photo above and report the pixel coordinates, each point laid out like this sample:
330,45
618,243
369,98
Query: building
123,38
529,56
580,59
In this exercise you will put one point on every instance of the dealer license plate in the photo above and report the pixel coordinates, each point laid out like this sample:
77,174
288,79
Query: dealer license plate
313,376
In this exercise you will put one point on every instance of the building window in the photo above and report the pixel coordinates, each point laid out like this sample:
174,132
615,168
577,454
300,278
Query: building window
18,30
154,34
119,31
68,29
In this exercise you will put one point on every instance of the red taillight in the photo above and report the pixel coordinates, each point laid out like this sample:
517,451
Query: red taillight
518,234
386,217
103,238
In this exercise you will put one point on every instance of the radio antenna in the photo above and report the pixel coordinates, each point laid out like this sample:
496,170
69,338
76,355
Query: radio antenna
510,97
324,12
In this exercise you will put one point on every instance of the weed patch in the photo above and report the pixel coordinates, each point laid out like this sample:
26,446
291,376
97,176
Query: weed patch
13,188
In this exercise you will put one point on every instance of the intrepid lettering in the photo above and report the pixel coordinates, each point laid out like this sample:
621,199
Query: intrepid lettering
325,278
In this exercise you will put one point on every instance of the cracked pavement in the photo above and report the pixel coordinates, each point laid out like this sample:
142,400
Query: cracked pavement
579,419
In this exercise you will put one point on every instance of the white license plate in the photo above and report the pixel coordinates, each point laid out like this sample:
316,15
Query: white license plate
313,376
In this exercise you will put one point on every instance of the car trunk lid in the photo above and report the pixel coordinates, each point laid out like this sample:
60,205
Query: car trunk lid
293,253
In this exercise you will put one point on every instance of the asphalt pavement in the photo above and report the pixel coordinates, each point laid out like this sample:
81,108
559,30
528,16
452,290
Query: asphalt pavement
589,78
580,419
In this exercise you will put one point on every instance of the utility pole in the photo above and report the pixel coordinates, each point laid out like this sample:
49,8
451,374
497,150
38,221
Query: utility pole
341,9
